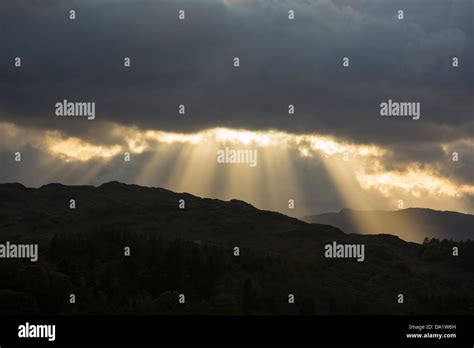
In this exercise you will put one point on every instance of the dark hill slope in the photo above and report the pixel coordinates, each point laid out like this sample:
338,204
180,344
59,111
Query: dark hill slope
191,250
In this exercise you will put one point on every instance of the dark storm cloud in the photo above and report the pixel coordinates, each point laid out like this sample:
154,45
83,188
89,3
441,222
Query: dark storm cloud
432,157
282,62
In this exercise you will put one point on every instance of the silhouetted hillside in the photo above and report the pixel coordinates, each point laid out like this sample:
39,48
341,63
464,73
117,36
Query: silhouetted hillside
413,224
191,251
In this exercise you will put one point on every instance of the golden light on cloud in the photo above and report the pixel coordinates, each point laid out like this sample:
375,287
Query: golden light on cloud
245,137
170,137
74,149
413,180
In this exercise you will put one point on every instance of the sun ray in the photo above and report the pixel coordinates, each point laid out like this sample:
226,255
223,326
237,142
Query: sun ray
187,162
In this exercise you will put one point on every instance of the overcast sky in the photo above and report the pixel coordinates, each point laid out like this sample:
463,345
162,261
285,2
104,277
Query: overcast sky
282,62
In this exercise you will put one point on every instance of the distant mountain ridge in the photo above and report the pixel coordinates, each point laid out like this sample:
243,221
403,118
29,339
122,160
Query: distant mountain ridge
412,224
